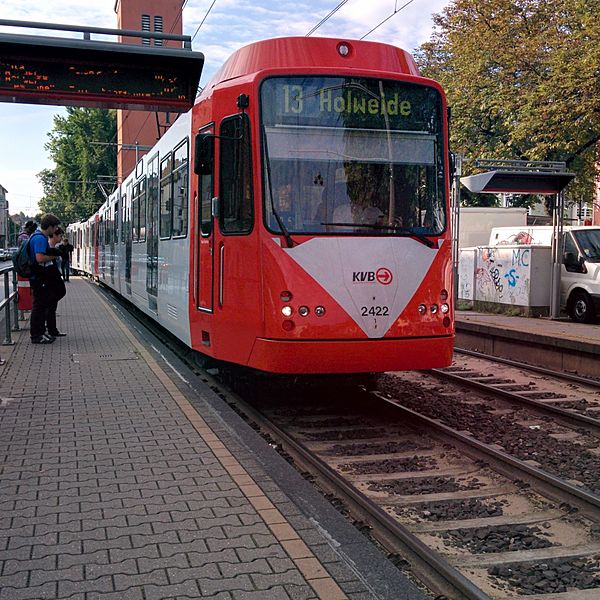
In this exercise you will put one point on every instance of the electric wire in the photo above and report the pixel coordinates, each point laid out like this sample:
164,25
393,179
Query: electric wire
326,17
396,11
204,19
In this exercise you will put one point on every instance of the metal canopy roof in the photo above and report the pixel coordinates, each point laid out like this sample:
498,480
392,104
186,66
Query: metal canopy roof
517,182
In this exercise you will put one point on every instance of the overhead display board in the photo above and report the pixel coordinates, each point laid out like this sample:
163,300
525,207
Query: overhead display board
65,71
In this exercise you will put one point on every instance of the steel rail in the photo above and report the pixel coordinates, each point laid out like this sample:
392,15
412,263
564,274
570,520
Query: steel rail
527,367
436,570
569,416
575,495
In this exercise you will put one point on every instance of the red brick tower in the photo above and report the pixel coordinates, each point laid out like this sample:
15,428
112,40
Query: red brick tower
135,126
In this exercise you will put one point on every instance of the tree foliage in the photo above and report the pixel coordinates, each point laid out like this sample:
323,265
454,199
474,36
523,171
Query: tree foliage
72,189
523,80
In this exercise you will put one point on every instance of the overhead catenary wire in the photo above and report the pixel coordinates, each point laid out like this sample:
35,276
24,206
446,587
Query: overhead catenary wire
396,11
204,19
326,17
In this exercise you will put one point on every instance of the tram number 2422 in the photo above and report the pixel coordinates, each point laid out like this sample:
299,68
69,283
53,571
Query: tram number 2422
374,311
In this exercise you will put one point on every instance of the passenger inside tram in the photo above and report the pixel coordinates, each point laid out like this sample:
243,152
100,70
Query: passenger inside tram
334,197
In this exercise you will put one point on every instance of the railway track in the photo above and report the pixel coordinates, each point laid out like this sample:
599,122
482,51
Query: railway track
473,522
436,478
565,402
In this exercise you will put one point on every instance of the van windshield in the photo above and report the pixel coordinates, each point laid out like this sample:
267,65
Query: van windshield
588,241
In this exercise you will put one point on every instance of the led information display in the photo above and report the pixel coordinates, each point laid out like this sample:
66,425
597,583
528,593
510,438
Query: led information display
105,75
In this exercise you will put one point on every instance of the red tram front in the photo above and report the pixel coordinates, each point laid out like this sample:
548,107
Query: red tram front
321,211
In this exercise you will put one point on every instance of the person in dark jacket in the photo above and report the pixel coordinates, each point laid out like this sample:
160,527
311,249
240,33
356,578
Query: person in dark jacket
66,250
56,286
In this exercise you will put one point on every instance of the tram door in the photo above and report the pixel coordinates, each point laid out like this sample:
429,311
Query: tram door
206,239
152,234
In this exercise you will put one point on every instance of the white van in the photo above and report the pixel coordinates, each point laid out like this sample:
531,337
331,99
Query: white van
580,273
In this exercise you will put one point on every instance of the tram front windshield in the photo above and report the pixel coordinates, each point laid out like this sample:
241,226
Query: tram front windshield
352,155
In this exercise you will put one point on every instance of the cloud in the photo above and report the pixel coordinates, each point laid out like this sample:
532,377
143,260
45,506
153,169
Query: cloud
230,25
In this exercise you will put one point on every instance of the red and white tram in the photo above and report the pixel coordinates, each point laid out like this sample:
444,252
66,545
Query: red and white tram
296,220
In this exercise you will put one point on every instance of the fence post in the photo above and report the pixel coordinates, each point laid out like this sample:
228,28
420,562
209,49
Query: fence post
15,303
7,340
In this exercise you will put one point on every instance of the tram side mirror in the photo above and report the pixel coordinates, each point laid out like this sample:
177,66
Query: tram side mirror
204,154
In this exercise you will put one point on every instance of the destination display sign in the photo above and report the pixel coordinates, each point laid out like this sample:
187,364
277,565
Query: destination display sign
351,102
103,75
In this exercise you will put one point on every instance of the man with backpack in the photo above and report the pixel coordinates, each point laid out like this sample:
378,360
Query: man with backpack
42,280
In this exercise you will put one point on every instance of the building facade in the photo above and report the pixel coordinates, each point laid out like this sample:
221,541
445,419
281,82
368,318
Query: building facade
136,128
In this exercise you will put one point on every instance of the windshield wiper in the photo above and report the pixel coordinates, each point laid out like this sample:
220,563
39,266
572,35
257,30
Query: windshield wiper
402,231
282,227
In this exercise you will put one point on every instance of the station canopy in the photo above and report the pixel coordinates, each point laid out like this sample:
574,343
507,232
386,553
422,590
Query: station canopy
517,182
518,177
65,71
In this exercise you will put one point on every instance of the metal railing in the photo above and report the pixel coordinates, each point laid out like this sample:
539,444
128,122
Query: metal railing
11,322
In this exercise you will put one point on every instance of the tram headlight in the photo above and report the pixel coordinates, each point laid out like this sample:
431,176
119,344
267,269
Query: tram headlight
287,311
303,311
343,49
444,295
444,308
433,308
288,325
286,296
422,309
319,311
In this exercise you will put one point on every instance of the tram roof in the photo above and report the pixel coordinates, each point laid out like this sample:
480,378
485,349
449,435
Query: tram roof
313,53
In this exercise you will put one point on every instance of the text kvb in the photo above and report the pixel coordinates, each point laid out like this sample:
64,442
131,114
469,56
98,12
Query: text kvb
360,276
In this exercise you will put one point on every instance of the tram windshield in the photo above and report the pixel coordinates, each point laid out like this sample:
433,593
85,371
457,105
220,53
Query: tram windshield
352,154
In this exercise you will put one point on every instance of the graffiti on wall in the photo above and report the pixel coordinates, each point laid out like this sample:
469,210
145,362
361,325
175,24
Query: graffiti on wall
503,275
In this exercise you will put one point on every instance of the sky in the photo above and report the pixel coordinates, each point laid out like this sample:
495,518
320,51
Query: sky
229,25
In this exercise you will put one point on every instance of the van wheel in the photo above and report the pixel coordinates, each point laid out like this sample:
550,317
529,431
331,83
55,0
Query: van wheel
581,308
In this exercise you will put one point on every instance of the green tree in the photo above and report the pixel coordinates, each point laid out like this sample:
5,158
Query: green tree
72,189
523,80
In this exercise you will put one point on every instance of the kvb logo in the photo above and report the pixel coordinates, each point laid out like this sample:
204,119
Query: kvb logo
382,275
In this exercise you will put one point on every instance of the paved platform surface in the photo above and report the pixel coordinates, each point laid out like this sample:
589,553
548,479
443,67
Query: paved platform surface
123,475
563,332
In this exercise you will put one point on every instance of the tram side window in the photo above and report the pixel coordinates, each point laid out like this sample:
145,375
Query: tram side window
206,183
116,222
165,198
142,210
123,216
152,197
135,213
235,183
180,190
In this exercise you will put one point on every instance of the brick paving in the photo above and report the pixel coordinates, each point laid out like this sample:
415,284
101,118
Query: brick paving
113,486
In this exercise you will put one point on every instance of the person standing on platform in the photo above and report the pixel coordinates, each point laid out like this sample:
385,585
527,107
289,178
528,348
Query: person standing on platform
27,232
41,280
56,286
66,250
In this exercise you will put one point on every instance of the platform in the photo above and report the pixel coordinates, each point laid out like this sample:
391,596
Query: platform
123,475
554,344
